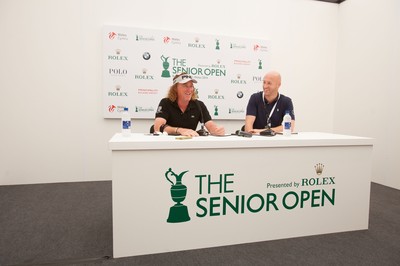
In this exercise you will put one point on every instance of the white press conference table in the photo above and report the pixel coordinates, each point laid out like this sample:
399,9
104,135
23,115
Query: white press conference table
171,194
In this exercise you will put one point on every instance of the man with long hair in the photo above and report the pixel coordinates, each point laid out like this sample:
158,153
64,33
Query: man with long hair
180,112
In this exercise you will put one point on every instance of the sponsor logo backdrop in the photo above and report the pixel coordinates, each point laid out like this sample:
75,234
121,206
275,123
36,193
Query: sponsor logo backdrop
139,65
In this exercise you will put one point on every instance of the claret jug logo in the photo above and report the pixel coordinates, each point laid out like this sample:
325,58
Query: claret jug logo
179,212
216,112
165,64
217,44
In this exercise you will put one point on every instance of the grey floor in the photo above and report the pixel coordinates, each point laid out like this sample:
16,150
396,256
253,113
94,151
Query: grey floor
71,224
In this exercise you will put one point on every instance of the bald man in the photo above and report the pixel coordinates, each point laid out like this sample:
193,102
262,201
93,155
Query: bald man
268,105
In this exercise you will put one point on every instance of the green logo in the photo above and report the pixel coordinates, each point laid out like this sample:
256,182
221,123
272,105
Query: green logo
259,64
215,110
216,44
165,73
179,212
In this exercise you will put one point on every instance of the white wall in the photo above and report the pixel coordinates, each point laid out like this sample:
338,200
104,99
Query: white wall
52,128
368,81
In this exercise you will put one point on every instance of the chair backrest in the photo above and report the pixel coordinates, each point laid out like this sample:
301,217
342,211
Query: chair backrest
152,129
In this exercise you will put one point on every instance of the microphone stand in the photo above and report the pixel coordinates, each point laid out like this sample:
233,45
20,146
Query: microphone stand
202,131
268,131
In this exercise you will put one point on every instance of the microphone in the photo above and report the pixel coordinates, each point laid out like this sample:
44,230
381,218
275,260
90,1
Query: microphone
268,131
162,128
202,131
243,134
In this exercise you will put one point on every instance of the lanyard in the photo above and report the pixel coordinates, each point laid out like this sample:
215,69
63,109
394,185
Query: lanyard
272,110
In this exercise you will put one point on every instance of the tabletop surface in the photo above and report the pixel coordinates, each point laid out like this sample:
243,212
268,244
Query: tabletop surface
141,141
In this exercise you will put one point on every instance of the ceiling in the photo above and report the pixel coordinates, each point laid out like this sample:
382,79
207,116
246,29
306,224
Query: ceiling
332,1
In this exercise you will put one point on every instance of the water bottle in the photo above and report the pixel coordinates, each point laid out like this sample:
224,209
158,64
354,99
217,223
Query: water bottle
126,123
286,123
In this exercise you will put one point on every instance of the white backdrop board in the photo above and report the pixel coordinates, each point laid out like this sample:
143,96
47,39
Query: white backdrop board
139,65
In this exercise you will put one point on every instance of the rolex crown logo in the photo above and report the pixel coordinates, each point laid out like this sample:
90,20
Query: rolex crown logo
118,51
319,167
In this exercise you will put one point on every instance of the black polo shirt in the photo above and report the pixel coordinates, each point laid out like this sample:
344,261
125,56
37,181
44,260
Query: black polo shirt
189,119
261,109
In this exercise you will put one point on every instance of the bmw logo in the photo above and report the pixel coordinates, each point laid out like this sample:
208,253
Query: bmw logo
239,94
146,55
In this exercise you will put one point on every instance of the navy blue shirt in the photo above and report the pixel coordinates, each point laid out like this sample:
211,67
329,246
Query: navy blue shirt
261,109
171,112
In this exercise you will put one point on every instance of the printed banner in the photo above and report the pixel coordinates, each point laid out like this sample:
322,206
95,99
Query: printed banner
246,197
139,65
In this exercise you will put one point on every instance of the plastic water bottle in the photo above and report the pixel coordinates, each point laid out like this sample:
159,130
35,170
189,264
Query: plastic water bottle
126,123
286,123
